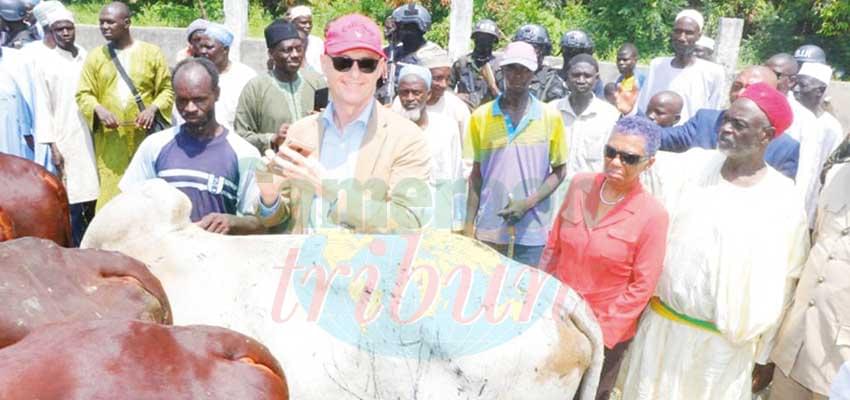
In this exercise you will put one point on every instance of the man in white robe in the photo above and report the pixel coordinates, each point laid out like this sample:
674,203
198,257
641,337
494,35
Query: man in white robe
73,152
699,82
737,241
819,137
447,183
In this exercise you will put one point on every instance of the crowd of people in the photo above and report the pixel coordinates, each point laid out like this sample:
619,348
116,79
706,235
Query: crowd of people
709,232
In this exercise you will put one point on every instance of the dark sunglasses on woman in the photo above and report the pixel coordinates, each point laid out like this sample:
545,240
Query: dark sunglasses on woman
365,65
626,158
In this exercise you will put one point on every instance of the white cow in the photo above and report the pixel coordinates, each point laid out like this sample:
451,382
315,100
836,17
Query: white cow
367,339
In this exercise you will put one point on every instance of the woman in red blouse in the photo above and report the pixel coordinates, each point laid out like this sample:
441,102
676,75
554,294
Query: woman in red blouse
609,238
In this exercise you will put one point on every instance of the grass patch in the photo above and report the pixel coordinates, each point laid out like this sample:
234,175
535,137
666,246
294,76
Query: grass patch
173,15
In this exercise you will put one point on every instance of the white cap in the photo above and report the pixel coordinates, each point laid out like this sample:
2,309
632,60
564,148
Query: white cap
520,53
692,14
434,57
299,11
705,41
59,14
41,10
821,72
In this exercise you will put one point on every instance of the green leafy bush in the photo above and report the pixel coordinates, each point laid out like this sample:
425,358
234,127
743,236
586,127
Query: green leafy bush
770,26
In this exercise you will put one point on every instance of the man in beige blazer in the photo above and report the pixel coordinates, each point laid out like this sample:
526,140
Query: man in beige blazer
814,339
357,165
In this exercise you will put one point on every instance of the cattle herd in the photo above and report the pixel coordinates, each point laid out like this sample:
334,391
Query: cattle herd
153,307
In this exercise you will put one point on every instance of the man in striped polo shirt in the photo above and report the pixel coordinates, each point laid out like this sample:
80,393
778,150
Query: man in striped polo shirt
519,150
201,158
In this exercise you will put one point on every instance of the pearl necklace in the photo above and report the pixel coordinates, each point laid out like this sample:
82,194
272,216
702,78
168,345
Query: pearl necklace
602,197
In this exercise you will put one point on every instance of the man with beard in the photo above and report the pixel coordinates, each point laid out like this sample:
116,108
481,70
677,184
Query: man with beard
202,158
473,75
737,242
699,82
587,118
71,142
274,99
214,45
783,152
110,109
441,99
443,141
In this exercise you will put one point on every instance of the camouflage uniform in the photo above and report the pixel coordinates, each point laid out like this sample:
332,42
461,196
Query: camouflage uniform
467,79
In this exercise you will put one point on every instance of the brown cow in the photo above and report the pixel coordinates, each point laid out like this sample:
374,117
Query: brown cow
33,202
120,359
42,283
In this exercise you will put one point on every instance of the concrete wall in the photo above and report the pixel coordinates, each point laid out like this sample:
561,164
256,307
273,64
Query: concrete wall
172,40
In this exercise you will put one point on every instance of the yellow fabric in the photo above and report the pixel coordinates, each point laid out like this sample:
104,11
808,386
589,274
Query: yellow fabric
547,130
99,85
663,310
629,84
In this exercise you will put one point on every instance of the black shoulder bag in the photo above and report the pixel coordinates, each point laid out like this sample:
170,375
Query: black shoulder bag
159,123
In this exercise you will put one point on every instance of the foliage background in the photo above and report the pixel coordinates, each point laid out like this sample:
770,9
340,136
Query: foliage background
771,26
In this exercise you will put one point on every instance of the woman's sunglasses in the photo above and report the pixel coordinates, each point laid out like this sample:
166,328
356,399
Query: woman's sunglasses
626,158
365,65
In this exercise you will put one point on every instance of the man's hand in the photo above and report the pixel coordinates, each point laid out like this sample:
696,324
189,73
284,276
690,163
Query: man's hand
216,223
58,159
304,170
106,118
270,179
279,137
762,375
514,211
145,118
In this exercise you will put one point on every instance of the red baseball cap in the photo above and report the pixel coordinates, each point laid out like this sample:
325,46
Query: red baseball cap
353,32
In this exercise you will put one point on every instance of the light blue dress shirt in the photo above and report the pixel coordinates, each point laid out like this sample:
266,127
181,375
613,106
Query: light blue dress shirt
337,154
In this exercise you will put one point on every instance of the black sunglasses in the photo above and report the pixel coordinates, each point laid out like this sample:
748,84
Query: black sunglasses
626,158
365,65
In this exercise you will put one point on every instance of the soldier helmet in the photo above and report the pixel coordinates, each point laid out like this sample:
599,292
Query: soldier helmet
488,27
577,39
12,10
534,35
413,13
810,53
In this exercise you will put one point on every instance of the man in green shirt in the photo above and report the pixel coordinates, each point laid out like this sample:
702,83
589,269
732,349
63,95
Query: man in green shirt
273,100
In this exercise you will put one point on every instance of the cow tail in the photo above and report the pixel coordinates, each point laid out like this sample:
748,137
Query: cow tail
584,320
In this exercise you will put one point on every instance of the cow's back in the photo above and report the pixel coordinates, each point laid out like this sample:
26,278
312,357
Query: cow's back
33,202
